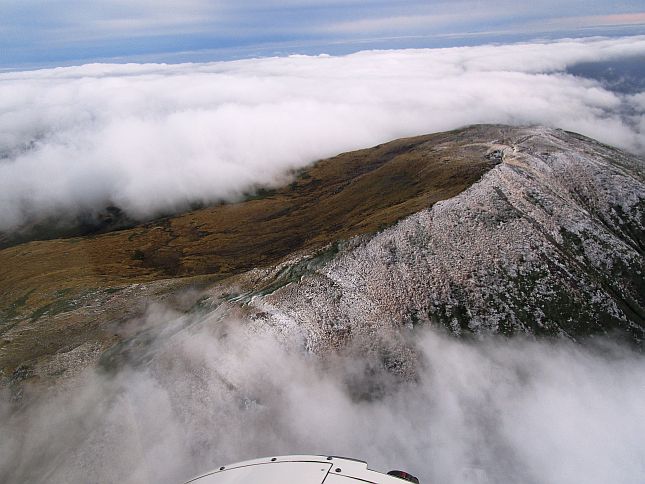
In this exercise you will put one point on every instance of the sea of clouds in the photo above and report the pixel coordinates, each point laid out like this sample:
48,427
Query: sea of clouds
155,138
204,392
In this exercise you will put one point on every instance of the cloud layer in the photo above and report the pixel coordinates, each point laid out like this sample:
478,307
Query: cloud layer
496,410
154,138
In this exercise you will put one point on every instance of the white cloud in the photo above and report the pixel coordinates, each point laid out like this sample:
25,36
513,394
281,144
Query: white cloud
151,138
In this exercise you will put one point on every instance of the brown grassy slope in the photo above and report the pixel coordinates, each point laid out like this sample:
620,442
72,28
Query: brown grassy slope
337,198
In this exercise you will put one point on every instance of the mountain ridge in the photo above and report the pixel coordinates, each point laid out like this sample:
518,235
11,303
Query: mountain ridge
548,243
489,228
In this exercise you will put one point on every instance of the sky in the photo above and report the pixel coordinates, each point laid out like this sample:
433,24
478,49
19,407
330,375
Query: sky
39,33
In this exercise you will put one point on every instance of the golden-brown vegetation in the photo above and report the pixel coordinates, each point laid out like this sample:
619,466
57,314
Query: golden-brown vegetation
337,198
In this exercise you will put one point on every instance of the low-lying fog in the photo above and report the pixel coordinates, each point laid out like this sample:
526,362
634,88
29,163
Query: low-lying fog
494,410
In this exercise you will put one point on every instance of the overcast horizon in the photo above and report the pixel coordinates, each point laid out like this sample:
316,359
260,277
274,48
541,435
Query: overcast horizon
36,34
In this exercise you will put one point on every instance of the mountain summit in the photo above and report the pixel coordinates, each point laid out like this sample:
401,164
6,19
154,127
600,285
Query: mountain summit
549,243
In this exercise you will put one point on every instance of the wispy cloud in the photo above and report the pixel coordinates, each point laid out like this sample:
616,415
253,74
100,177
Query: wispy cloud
220,392
401,23
636,18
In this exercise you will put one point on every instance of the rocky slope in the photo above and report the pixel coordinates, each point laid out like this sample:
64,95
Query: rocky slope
65,301
511,230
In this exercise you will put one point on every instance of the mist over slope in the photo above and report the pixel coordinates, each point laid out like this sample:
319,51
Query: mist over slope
218,391
153,139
